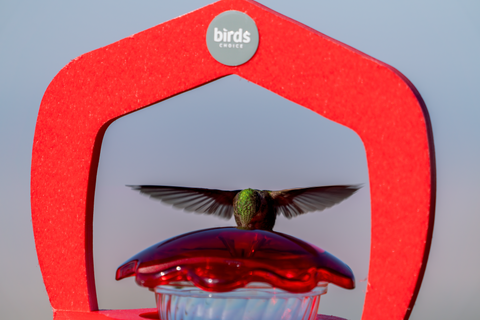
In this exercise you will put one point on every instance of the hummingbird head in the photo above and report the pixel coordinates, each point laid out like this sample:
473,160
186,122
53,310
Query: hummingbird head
246,205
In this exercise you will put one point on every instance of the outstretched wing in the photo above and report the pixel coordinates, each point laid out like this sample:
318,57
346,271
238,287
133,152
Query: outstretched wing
293,202
208,201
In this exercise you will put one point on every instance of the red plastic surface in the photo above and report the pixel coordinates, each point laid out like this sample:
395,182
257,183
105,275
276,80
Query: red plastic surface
292,60
133,314
224,259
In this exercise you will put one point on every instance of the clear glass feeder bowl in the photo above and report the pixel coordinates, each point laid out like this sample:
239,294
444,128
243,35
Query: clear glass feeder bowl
256,301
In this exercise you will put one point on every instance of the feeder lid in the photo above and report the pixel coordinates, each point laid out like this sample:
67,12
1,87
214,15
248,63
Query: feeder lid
224,259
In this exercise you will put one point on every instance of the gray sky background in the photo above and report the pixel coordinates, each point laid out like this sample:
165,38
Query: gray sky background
214,137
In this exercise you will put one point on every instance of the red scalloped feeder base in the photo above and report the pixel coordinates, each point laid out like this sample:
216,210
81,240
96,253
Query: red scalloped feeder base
225,259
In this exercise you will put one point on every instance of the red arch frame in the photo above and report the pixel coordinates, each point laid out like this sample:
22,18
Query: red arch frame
294,61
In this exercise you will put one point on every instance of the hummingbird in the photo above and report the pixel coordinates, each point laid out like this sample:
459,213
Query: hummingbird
252,208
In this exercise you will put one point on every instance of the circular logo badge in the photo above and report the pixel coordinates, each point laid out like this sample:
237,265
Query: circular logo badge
232,38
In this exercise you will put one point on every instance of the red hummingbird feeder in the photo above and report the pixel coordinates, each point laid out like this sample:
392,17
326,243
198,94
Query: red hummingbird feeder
230,273
289,59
